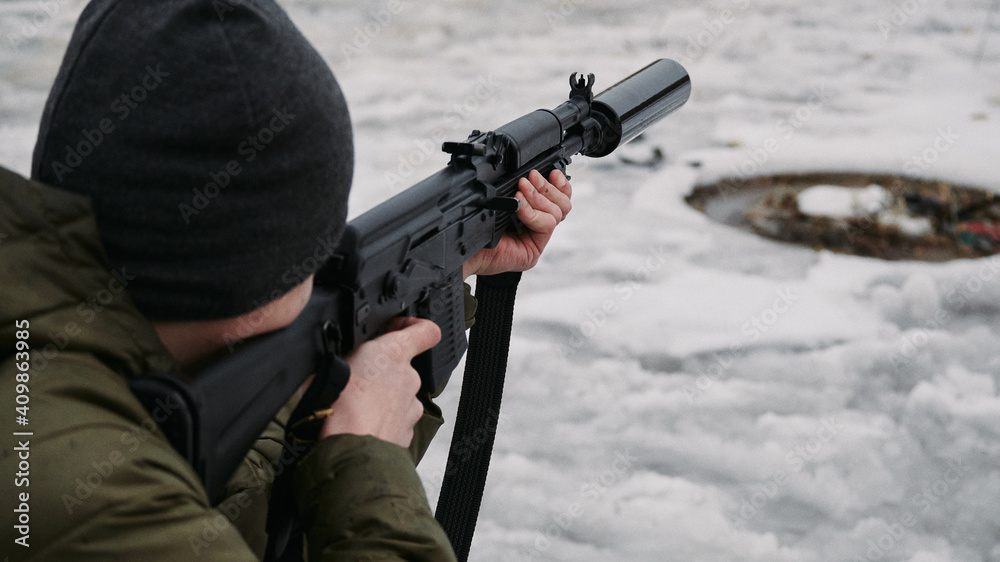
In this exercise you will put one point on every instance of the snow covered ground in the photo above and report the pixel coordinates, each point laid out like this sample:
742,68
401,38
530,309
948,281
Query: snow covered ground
679,389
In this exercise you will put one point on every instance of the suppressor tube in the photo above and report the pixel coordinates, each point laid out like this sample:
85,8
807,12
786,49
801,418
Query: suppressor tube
637,102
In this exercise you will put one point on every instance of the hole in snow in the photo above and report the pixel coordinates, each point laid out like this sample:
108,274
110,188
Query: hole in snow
874,215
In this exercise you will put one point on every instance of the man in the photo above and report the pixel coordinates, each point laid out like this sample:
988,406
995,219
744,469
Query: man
198,162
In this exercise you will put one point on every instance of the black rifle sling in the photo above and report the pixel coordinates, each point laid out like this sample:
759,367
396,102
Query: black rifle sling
285,533
478,410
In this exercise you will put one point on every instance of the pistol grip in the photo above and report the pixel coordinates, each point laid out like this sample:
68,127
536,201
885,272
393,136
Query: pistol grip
445,305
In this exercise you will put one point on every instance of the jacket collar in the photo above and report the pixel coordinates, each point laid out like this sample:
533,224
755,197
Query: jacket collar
57,276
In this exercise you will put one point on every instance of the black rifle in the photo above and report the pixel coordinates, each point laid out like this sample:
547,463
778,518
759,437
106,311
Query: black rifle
402,258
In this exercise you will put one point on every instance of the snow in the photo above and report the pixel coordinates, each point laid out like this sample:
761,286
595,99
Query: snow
843,202
837,201
908,226
679,389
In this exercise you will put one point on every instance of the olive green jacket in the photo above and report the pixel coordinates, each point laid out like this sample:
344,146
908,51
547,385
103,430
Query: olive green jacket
98,480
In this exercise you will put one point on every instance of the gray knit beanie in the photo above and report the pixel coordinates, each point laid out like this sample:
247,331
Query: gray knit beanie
214,143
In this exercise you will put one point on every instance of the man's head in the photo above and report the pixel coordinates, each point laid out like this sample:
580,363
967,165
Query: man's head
215,145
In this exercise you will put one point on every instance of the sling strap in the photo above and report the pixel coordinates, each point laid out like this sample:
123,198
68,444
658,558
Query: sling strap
478,410
285,533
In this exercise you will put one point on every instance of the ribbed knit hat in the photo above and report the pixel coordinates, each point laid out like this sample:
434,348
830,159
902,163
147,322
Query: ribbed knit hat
214,142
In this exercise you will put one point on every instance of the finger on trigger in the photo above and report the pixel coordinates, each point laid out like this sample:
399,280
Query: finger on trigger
398,323
414,335
425,335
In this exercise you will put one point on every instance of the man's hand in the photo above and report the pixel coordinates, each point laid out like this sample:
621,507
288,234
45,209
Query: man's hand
381,397
544,204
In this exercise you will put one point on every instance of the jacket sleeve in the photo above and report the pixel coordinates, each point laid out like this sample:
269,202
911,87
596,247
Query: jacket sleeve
254,478
360,498
105,483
